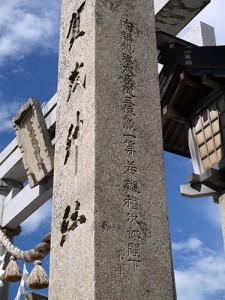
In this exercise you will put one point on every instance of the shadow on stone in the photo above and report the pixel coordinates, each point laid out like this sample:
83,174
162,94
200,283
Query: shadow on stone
34,296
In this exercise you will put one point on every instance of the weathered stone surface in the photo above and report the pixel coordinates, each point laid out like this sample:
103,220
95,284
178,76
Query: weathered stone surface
176,14
201,34
222,215
110,237
34,142
4,190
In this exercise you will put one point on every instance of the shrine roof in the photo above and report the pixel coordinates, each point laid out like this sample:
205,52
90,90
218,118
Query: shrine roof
192,78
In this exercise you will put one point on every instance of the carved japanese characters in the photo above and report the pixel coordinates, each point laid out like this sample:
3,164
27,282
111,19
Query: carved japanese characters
71,221
74,31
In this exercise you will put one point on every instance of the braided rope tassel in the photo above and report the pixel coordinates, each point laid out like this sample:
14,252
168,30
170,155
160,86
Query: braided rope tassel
38,278
12,271
2,262
39,252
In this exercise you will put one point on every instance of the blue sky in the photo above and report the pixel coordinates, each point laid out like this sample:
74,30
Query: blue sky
29,32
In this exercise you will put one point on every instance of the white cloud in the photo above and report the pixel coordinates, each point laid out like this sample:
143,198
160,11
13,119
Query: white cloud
211,211
178,230
192,244
206,209
200,276
27,26
6,113
40,218
18,69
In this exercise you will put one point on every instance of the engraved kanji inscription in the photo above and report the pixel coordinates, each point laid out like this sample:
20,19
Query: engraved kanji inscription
74,31
131,185
130,167
131,202
132,218
134,250
76,79
68,143
120,255
120,270
73,134
71,221
134,234
130,146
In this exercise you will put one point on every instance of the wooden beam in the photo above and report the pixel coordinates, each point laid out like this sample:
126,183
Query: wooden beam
186,79
169,112
196,190
213,82
204,103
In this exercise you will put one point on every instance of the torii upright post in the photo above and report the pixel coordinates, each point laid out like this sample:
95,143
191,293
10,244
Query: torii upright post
110,236
4,191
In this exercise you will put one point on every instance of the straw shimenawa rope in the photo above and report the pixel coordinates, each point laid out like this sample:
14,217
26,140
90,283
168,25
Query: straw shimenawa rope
39,251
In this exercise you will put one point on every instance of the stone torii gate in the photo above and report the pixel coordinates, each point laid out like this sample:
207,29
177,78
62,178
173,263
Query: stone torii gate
110,236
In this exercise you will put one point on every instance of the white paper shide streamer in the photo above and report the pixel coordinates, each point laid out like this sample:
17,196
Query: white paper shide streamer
21,289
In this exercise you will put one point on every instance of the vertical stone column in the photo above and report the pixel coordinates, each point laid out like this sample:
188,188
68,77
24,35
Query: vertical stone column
201,34
4,190
222,215
110,236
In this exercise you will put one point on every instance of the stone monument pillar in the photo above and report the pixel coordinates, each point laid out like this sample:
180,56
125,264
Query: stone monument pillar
110,236
4,191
